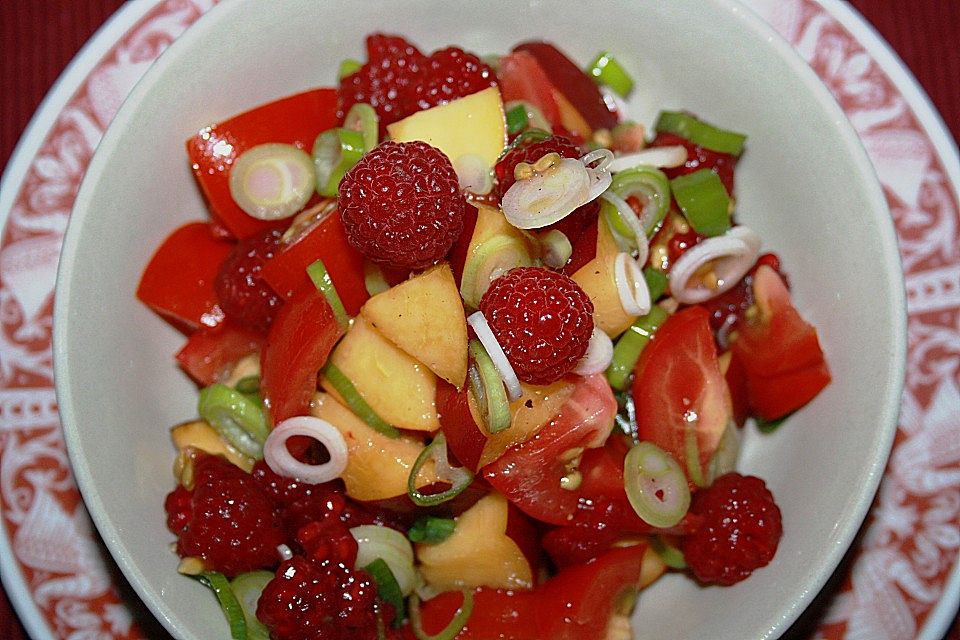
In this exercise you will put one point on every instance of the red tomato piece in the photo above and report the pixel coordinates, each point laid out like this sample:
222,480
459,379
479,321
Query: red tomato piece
325,240
296,120
210,351
682,401
178,280
779,350
298,344
522,78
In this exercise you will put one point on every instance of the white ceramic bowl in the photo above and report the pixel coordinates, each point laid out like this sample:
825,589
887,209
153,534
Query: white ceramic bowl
805,185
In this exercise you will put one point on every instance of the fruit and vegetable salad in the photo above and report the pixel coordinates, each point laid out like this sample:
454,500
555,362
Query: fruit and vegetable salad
474,353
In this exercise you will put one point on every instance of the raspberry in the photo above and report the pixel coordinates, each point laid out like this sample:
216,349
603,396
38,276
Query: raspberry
401,205
307,599
243,293
387,82
228,520
530,153
740,531
450,74
542,319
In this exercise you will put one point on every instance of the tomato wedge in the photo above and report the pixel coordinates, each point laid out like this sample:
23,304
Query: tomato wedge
210,351
465,440
778,350
522,78
178,281
682,400
297,120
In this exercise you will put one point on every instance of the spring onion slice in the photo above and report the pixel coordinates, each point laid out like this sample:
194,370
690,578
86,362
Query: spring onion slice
458,477
527,137
517,119
651,187
279,459
235,417
455,626
668,157
488,389
387,587
335,151
671,556
714,265
656,282
627,231
535,117
272,181
348,67
631,344
431,529
247,588
232,610
704,201
363,118
480,326
598,356
355,401
379,542
324,283
631,285
473,174
248,385
555,248
700,133
656,485
488,261
607,71
691,448
373,278
724,459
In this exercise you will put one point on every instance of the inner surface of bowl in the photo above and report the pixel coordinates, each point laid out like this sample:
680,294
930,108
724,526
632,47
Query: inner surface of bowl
804,185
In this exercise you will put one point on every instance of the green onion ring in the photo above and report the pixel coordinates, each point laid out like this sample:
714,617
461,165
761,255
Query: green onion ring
653,187
355,401
247,587
458,477
631,344
700,133
452,629
655,485
235,417
607,71
324,283
228,603
363,118
335,151
488,389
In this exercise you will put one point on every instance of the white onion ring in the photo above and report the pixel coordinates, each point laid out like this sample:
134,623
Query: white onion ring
603,158
278,457
598,356
631,285
671,156
495,351
630,218
556,248
615,103
541,200
733,253
391,546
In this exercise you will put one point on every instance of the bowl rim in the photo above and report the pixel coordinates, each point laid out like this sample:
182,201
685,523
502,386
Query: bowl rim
878,452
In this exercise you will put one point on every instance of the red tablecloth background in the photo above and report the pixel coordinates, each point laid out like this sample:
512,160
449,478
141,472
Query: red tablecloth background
39,37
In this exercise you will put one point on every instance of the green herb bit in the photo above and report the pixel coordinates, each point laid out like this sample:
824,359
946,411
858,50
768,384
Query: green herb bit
656,282
607,71
517,119
704,201
431,530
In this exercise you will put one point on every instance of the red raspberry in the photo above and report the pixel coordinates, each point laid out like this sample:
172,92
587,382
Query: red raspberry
542,319
401,205
740,531
450,74
387,81
530,153
307,599
243,293
229,521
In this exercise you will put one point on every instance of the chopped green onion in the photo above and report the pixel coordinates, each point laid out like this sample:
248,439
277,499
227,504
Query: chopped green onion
228,603
704,201
335,151
656,486
355,401
691,449
373,278
272,181
555,248
248,385
348,67
606,71
431,530
517,119
769,426
324,283
671,556
488,389
494,256
387,588
631,344
656,282
455,626
363,118
458,477
236,418
652,188
391,546
530,135
247,587
700,133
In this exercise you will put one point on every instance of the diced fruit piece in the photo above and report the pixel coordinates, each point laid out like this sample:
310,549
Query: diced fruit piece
211,351
480,533
401,205
200,435
472,125
399,388
424,317
598,280
295,120
522,78
779,351
681,398
740,532
178,281
495,247
542,319
377,466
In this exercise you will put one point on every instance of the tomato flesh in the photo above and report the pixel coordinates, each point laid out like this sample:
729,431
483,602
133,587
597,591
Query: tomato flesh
210,351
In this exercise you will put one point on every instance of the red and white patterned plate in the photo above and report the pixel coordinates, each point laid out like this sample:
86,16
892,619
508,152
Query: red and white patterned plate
903,580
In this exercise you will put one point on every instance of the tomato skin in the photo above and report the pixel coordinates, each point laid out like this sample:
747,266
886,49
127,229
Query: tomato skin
522,78
677,383
298,344
296,119
779,351
209,351
326,240
178,281
465,439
